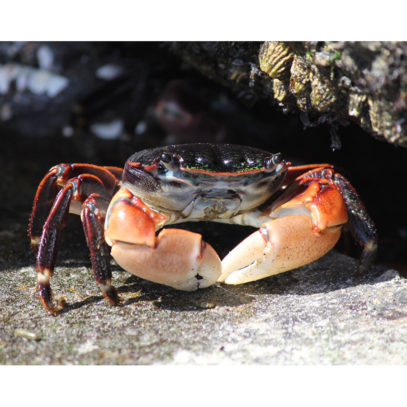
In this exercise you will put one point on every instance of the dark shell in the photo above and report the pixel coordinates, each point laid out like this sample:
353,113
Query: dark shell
212,158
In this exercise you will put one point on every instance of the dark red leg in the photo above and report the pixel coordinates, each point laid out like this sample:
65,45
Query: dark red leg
43,201
360,223
116,171
54,181
48,245
76,189
93,226
298,171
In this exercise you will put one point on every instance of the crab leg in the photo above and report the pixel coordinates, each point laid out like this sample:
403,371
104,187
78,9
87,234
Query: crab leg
93,216
76,190
175,257
52,183
48,246
303,224
43,201
360,224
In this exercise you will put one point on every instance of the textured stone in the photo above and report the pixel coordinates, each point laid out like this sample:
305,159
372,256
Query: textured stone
319,314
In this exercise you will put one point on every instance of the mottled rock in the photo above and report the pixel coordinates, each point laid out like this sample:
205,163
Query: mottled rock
319,314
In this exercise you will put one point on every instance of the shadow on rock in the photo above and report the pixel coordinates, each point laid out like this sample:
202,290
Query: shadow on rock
333,272
75,305
168,298
330,273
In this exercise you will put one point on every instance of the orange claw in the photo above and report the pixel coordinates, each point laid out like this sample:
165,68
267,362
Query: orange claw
324,202
130,224
180,260
176,257
128,219
299,232
280,245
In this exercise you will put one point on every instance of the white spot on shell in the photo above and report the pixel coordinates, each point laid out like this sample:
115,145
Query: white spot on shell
108,131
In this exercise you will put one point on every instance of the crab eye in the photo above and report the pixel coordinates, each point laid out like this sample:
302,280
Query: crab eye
165,157
161,168
272,161
276,158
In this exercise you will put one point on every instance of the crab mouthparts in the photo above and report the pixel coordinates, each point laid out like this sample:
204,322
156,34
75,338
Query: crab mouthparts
213,205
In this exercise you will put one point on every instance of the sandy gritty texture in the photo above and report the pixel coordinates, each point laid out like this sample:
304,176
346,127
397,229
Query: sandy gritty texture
318,314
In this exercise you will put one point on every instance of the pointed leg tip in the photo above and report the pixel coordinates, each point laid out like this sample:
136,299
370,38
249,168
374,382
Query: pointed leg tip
50,307
54,312
111,295
44,291
368,257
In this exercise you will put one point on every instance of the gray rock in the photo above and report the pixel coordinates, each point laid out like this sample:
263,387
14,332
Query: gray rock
319,314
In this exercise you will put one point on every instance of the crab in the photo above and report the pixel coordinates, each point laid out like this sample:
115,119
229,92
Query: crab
298,213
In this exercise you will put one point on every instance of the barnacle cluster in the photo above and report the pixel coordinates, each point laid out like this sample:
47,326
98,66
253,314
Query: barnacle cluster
293,74
326,80
331,82
274,58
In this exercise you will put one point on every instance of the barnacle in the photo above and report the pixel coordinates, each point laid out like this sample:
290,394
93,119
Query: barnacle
275,58
280,90
300,77
300,82
356,103
323,94
382,120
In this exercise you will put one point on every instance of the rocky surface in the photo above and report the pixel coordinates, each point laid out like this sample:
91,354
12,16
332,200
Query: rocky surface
319,314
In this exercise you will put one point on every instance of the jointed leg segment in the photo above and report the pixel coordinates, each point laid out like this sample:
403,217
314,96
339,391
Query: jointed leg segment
93,226
57,195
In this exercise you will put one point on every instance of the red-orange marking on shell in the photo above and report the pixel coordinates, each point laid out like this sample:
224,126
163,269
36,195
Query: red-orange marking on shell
134,164
150,167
